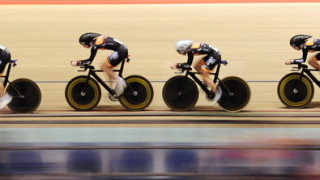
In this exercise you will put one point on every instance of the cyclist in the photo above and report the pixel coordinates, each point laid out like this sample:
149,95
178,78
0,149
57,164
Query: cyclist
5,57
97,41
307,44
212,58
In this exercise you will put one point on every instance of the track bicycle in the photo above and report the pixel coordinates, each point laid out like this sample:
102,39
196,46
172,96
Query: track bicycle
295,90
26,95
180,93
83,92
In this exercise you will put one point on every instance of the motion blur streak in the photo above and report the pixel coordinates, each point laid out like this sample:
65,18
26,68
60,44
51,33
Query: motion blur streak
253,37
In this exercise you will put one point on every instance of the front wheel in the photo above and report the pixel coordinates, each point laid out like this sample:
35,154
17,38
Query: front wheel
295,92
138,95
82,93
235,93
180,93
26,96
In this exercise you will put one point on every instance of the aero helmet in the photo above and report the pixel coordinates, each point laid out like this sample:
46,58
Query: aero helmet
297,40
182,45
86,38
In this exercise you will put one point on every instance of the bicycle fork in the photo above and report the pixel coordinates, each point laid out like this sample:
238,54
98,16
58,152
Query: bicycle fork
16,90
295,90
183,84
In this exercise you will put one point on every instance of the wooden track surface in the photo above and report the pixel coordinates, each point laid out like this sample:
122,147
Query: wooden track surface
254,38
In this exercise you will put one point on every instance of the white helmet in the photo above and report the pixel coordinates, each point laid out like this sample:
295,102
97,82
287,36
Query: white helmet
182,45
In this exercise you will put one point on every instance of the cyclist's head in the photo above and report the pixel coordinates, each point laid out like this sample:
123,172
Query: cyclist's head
183,45
86,38
297,40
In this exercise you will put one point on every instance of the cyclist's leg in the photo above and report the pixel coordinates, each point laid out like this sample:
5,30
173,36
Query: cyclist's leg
4,60
5,98
113,60
1,87
209,64
199,64
313,61
205,76
120,82
2,66
107,68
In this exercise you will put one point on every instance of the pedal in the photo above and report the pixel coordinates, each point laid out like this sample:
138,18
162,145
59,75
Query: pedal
113,98
210,96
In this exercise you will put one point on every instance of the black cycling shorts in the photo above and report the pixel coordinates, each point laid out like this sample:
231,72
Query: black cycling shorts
4,60
210,62
117,56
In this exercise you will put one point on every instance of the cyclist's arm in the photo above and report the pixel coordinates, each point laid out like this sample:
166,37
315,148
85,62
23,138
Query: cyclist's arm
304,53
304,57
94,50
296,61
188,63
190,58
184,65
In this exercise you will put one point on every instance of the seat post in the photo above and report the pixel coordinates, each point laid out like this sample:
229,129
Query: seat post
6,77
217,73
122,67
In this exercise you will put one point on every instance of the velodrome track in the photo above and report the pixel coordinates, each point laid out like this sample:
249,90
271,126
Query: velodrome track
253,37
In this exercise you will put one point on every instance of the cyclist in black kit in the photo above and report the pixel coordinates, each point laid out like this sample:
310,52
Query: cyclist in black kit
212,58
97,41
307,44
5,57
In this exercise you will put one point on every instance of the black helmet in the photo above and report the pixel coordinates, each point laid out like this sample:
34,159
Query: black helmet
297,40
86,38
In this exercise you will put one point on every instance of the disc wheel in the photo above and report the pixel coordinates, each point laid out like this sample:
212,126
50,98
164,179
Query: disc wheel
180,93
235,93
138,95
83,94
295,93
26,96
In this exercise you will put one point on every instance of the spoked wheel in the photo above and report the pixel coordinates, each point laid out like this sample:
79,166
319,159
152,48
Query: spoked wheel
295,93
26,96
235,93
138,95
82,94
180,93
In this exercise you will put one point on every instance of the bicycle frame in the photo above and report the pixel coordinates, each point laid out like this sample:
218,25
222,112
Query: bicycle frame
6,77
92,72
199,82
12,63
308,72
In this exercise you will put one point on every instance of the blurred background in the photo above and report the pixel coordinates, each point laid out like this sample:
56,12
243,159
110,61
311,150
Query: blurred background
264,141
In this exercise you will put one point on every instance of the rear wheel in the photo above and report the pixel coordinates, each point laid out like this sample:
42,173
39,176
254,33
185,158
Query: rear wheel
138,95
26,96
235,93
295,93
83,94
180,93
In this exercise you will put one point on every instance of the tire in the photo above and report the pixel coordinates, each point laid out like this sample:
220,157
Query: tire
26,96
138,95
295,98
239,94
180,98
82,95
